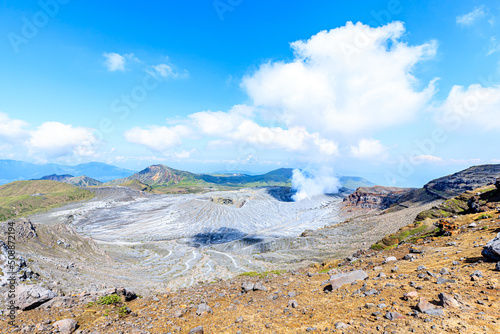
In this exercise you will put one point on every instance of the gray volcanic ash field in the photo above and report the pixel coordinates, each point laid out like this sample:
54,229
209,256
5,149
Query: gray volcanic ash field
178,240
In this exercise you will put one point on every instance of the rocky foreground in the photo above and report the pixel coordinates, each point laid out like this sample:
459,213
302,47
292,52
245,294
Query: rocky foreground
433,285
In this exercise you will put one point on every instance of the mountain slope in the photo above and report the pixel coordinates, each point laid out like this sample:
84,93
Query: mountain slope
465,180
82,181
79,181
55,177
12,170
23,198
157,175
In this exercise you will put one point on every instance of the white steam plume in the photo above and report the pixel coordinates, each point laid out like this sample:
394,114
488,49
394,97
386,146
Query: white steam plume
314,182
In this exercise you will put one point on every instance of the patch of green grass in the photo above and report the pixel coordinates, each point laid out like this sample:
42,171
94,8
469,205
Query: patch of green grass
123,311
377,247
485,228
263,274
484,216
108,300
324,271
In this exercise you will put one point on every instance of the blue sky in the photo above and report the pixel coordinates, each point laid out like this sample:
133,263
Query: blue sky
406,92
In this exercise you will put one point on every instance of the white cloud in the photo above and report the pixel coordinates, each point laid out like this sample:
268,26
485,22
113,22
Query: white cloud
114,61
236,125
352,79
469,18
494,46
427,158
12,131
476,105
164,70
369,148
158,138
54,140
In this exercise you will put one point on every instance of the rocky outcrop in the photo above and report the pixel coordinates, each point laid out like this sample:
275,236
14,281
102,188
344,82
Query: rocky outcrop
376,197
497,184
30,296
23,228
468,179
491,250
336,281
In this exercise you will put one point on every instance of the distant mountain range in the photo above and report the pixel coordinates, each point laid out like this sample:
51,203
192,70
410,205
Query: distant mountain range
157,176
12,170
164,176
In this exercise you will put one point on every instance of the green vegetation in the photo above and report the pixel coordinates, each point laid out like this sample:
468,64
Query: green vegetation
137,185
484,216
377,247
263,274
123,311
23,198
108,300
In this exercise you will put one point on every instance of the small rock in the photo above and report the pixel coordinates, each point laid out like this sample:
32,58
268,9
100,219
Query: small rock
471,225
370,305
239,320
65,326
341,325
336,281
423,305
445,271
410,295
293,304
371,292
497,267
435,311
441,280
419,268
203,309
393,316
196,330
390,259
394,269
477,273
448,301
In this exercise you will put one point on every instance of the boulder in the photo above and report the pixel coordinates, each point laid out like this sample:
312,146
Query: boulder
247,286
59,302
336,281
126,295
203,309
448,301
423,305
259,286
65,326
491,250
497,183
30,296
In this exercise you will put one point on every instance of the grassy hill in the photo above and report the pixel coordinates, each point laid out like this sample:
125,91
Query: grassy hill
23,198
137,185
